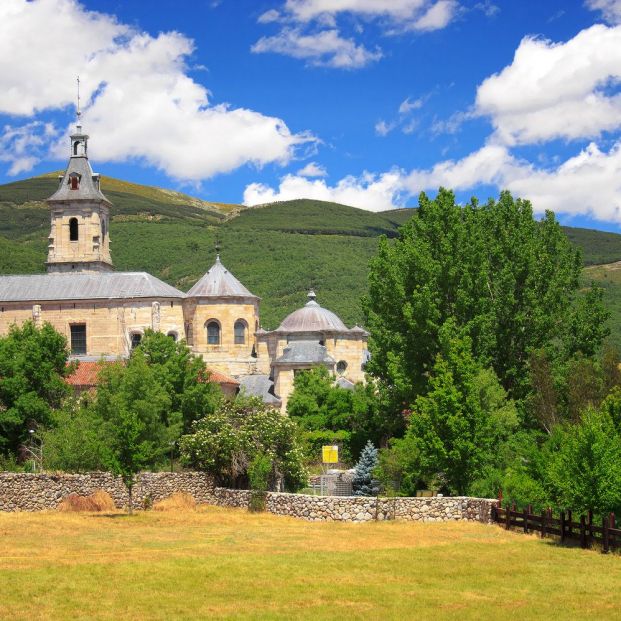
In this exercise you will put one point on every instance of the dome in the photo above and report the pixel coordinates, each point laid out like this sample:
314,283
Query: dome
312,318
218,282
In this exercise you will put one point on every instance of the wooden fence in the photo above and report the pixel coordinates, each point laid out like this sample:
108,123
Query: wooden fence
563,526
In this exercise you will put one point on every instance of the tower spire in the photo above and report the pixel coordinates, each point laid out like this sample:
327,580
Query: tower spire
78,112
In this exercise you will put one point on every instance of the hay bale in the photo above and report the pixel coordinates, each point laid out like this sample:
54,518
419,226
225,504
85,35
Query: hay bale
95,502
179,501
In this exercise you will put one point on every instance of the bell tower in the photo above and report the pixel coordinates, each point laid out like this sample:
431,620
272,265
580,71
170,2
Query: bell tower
79,239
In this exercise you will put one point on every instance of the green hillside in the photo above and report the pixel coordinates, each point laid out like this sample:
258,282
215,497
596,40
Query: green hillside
278,251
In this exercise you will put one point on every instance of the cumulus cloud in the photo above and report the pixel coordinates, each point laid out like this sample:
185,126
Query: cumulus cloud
140,102
324,48
369,191
22,146
556,90
313,169
588,183
610,9
310,27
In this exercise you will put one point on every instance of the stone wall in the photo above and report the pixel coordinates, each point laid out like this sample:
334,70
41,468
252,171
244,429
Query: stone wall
37,492
361,509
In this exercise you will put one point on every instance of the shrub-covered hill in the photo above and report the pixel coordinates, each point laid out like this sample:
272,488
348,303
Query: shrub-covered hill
278,251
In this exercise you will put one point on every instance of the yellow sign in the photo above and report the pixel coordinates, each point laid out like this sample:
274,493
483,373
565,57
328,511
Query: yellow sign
330,454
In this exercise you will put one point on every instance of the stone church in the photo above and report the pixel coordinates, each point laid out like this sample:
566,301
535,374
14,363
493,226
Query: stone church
104,313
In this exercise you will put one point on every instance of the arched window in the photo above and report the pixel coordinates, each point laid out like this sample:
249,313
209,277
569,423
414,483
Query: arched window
104,227
73,229
213,333
75,147
341,367
173,336
240,332
136,339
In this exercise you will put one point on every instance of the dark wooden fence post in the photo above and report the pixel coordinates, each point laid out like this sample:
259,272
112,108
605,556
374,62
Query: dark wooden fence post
543,523
583,542
525,518
570,530
590,524
605,542
611,524
562,526
507,516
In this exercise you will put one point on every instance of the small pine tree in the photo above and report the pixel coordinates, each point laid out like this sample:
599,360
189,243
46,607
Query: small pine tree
363,482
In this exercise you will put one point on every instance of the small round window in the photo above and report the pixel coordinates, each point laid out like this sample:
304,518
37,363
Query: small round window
341,367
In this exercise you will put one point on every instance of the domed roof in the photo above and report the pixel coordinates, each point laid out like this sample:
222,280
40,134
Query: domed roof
312,318
218,282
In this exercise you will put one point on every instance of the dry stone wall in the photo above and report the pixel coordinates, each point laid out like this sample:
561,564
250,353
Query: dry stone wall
362,509
37,492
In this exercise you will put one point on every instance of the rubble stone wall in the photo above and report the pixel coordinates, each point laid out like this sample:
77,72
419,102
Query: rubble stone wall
37,492
364,509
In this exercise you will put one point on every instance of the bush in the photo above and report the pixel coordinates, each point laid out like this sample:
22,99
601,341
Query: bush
97,501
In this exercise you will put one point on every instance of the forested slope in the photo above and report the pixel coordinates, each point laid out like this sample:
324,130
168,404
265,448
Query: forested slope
278,251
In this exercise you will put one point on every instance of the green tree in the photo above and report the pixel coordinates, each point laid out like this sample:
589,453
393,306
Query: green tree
77,441
328,414
458,424
585,471
225,443
182,374
133,396
33,365
508,281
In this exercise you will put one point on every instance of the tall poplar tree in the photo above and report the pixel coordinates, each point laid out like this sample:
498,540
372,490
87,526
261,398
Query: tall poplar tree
507,280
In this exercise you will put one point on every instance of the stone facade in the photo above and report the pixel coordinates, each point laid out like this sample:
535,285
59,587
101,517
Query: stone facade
39,492
110,324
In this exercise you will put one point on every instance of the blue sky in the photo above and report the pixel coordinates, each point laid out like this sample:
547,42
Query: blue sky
366,102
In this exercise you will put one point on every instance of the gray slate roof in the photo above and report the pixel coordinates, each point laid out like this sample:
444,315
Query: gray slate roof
305,352
81,286
87,190
258,386
218,282
312,318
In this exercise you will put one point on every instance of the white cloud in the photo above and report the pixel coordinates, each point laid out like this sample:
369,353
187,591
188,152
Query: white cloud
382,128
437,16
369,191
324,48
312,33
610,9
313,169
556,90
22,146
140,102
587,184
407,105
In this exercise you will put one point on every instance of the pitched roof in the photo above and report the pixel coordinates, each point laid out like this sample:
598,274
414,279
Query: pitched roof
259,386
218,282
312,318
88,189
86,373
84,286
221,378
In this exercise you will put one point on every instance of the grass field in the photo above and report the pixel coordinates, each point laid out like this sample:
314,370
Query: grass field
216,563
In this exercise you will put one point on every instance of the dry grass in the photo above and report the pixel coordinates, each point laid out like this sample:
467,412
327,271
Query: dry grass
179,501
97,501
228,564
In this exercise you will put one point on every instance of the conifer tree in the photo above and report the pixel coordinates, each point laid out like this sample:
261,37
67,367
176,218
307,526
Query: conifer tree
363,483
